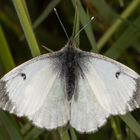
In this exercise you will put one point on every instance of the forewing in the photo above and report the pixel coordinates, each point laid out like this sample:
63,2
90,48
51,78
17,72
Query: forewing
34,89
115,86
87,114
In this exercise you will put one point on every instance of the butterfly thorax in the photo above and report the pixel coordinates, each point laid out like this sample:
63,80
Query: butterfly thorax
69,60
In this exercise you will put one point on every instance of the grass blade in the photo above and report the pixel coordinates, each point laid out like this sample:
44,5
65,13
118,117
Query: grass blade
132,124
45,13
116,128
27,28
8,63
72,133
64,135
105,10
11,24
125,40
10,126
33,134
84,18
127,12
76,27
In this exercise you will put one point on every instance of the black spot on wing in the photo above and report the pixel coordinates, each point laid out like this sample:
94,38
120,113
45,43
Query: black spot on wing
23,75
117,74
5,102
135,100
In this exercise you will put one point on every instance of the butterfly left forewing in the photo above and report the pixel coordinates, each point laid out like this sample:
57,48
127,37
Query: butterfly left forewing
115,86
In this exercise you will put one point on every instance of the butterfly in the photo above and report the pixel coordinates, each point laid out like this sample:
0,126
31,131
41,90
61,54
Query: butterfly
70,86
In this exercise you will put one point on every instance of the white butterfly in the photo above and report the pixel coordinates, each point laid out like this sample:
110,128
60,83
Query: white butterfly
70,85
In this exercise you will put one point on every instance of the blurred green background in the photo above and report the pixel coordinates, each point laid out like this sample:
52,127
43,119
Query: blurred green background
26,26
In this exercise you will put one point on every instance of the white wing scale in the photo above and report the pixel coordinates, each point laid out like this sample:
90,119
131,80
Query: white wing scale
31,96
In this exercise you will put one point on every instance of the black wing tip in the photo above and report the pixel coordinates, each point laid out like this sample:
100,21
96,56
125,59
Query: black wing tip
3,97
137,92
5,102
138,85
135,100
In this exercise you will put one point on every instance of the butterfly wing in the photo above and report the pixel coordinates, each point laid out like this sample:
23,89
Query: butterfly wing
87,114
115,86
105,88
34,89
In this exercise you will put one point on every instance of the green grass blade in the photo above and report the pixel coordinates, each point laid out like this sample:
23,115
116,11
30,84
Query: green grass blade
116,128
84,18
33,134
27,127
105,10
27,28
10,126
125,40
132,124
76,26
64,135
127,12
45,13
72,133
9,23
26,10
5,54
131,135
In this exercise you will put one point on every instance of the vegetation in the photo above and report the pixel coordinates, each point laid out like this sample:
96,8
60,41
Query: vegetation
26,26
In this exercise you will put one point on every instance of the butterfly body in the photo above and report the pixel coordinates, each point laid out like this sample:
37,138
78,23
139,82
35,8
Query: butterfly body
69,66
70,85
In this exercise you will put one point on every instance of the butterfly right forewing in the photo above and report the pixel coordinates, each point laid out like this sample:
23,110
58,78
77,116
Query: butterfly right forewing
34,89
114,85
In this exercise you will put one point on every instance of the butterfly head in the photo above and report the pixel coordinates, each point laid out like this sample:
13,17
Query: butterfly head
71,43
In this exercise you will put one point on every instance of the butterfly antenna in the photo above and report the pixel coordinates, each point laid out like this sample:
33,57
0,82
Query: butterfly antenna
83,27
61,23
